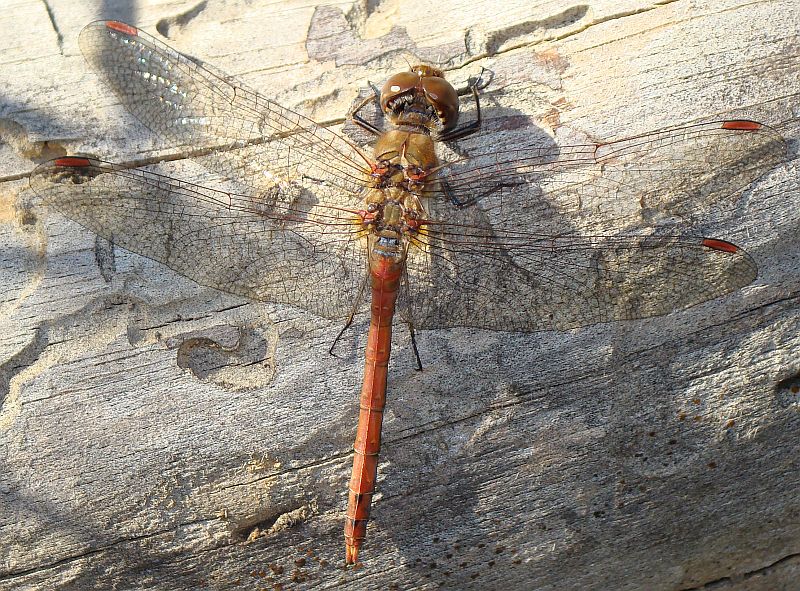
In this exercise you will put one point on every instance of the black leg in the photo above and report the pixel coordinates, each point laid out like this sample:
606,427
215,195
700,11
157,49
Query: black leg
341,332
478,83
350,318
414,346
448,192
475,84
358,119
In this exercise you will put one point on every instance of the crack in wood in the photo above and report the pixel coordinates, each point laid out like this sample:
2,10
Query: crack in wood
741,577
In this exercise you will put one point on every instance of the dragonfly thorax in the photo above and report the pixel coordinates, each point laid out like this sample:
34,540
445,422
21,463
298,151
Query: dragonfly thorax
406,148
403,160
392,209
393,216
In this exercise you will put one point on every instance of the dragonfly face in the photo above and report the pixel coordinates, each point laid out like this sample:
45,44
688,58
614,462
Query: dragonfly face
421,98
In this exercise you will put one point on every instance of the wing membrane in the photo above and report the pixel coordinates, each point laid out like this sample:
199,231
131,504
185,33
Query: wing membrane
678,171
529,238
464,275
248,138
307,256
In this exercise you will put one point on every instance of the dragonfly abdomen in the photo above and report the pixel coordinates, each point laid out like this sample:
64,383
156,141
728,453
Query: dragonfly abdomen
385,276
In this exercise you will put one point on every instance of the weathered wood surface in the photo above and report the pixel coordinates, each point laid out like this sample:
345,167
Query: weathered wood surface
658,454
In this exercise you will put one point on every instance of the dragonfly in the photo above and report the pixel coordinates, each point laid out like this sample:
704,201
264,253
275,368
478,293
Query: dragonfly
530,238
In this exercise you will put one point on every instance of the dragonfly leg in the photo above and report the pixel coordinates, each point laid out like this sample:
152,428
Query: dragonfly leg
478,83
414,345
448,192
451,196
341,332
474,85
350,318
359,120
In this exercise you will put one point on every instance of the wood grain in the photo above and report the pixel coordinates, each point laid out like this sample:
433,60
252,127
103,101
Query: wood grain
156,434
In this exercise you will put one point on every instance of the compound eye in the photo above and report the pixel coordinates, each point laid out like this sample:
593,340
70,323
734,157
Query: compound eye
397,85
443,97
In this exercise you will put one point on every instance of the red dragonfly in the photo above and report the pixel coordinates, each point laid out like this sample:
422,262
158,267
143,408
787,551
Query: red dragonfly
529,239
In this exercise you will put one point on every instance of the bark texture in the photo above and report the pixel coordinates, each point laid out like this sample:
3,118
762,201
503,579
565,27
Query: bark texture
155,434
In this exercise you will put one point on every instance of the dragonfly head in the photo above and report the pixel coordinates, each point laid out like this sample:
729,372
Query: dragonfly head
420,98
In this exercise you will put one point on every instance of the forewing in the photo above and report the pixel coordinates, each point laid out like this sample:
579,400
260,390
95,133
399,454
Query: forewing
622,184
226,127
308,256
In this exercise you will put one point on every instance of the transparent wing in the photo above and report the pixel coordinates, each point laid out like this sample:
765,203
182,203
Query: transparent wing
308,255
544,238
529,238
467,274
226,127
634,181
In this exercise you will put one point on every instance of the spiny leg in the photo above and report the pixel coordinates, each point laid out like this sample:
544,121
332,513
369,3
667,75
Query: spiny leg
474,85
358,119
414,345
356,304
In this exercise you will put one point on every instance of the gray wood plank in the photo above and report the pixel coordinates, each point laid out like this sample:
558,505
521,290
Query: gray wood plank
656,454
